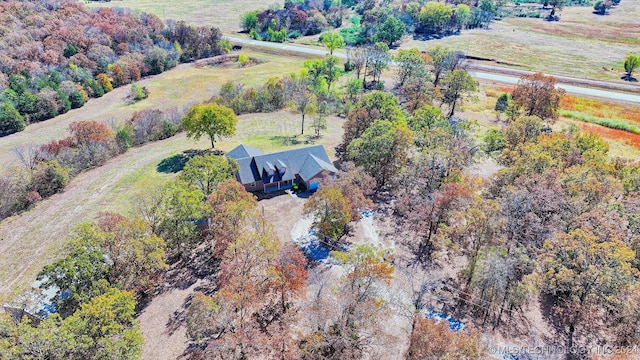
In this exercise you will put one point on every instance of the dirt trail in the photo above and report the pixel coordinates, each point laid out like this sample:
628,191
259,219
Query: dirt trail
162,323
111,107
32,239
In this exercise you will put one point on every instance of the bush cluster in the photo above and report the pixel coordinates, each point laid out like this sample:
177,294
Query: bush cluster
266,98
49,167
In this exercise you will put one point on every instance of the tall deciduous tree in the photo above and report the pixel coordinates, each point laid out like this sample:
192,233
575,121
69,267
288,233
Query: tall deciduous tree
213,120
207,171
391,30
103,328
585,276
180,203
332,40
538,96
631,62
77,278
434,16
378,59
457,86
435,340
331,210
349,315
443,60
376,105
136,255
382,149
410,63
231,206
106,327
302,98
326,69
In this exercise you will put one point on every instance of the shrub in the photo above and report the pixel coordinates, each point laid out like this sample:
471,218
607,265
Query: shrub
138,92
294,34
85,132
243,60
502,103
93,88
169,129
493,141
32,197
255,35
10,194
76,99
151,125
10,120
49,178
277,36
105,82
600,7
124,138
249,20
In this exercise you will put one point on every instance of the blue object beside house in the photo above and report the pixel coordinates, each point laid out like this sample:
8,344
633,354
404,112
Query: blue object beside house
280,170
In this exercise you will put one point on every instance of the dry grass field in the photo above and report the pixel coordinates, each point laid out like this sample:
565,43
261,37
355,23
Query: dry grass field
581,44
622,143
179,88
224,14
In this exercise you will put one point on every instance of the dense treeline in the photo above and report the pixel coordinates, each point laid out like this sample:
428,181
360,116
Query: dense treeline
57,54
373,22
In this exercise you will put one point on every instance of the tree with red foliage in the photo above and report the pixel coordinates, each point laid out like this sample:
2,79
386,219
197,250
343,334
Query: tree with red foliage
538,96
86,132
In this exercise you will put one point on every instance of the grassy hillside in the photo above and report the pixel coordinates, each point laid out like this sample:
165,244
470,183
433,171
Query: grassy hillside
224,14
179,88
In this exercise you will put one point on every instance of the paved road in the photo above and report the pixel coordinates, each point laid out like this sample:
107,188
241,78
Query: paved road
578,90
574,89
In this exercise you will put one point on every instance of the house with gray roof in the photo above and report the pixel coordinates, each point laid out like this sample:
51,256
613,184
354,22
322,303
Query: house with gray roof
280,170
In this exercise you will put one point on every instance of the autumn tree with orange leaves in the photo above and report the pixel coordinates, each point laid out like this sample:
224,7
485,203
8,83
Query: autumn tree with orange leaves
433,340
259,282
538,96
348,315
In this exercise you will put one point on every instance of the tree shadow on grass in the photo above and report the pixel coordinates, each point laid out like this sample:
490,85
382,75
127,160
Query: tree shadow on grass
175,163
294,139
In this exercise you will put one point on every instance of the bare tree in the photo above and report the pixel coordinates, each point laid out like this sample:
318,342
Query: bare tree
359,60
28,154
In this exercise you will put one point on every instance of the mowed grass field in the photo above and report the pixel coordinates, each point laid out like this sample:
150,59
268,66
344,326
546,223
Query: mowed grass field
35,238
224,14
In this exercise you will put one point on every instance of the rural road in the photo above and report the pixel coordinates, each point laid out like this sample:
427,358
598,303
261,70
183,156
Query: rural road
480,71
